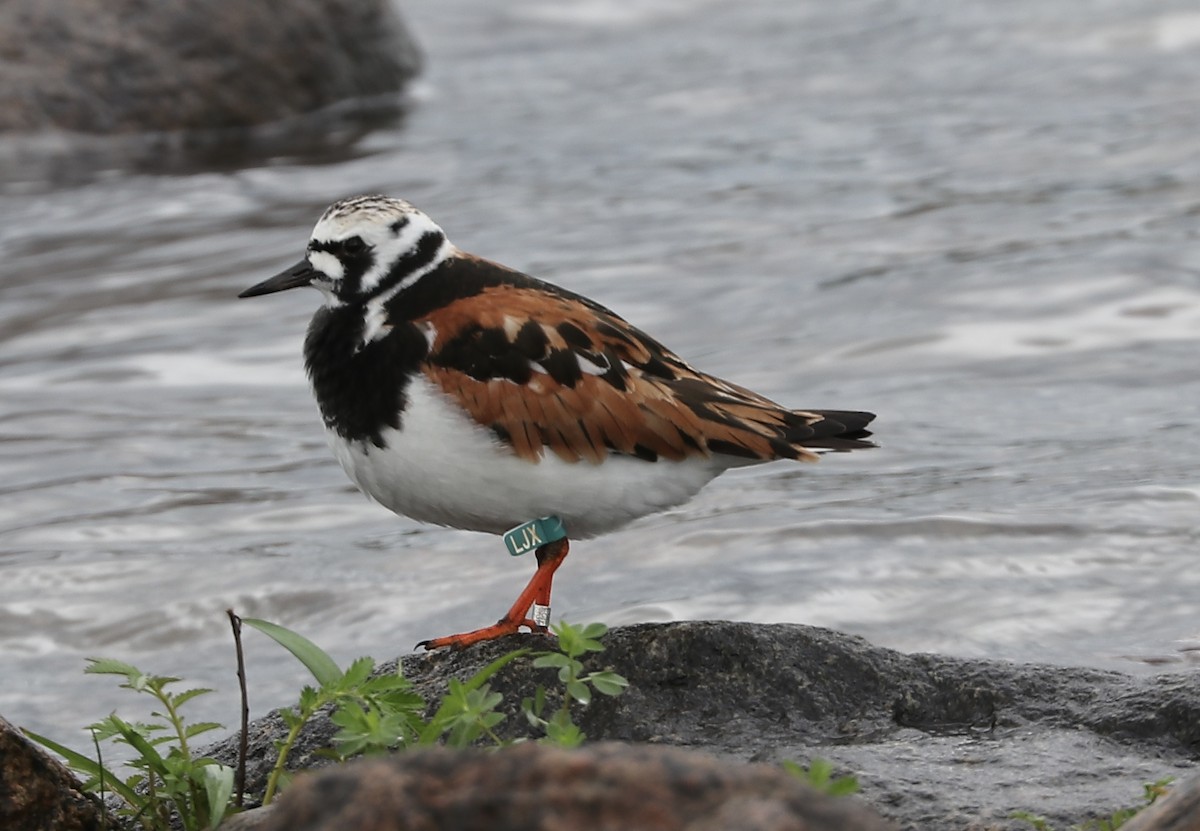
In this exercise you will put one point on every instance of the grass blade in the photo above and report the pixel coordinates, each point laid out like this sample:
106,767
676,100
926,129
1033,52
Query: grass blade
83,764
218,788
308,653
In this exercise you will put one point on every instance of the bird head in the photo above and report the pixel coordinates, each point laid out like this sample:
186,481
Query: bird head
362,248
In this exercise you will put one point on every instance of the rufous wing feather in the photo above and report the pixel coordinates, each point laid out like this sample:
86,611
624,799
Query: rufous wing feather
549,371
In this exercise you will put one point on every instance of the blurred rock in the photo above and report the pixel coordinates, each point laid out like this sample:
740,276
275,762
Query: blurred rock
250,820
37,793
1179,810
125,66
602,787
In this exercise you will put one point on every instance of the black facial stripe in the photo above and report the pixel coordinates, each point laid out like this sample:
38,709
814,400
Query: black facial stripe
454,278
356,259
335,247
355,265
417,258
398,225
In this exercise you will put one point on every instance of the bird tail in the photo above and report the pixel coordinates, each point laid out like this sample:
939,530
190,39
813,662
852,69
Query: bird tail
838,430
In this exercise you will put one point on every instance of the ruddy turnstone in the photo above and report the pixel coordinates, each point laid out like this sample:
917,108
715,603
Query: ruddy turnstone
460,392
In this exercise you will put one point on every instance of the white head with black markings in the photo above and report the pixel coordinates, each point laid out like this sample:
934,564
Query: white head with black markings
362,249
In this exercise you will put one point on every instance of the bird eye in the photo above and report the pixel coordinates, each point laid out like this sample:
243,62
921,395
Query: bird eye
354,246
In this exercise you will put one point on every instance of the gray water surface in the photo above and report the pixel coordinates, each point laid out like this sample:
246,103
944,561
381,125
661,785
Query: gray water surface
978,220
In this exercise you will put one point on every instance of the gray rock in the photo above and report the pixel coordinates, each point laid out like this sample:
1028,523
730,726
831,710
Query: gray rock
123,66
936,742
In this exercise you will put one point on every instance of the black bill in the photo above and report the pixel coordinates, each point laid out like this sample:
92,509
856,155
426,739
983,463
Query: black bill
301,274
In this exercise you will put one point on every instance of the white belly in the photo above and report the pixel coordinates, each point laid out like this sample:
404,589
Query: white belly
441,467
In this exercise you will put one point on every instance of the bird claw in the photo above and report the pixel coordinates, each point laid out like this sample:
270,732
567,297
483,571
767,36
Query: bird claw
532,609
465,639
537,625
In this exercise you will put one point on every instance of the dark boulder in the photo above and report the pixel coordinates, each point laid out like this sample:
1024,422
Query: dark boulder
129,66
936,742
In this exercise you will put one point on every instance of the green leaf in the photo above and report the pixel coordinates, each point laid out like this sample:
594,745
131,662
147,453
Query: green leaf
490,720
368,729
819,772
387,683
560,730
1038,822
575,640
201,727
843,786
398,698
318,662
218,788
357,673
83,764
109,666
148,754
579,691
552,659
531,715
608,682
484,701
1160,787
106,728
310,699
819,775
594,630
187,695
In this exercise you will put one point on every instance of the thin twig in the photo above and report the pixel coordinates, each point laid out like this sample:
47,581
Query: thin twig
243,748
100,765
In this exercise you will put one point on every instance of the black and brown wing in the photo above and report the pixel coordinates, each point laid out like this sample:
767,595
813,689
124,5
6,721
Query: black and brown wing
546,369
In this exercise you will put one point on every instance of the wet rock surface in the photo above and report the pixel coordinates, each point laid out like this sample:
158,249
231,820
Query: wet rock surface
935,742
122,66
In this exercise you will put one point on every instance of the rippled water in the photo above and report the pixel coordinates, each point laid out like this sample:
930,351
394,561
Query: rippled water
976,219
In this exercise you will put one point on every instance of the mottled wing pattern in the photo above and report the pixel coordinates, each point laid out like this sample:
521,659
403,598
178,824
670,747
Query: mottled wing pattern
553,370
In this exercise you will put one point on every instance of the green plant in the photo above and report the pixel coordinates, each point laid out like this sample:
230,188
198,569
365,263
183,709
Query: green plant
573,643
1150,792
819,775
171,788
378,713
1038,822
468,711
196,790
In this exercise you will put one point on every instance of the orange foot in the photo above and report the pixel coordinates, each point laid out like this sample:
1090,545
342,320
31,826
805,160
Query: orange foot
535,596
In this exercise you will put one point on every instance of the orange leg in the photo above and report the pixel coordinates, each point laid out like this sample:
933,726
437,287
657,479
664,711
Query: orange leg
536,593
